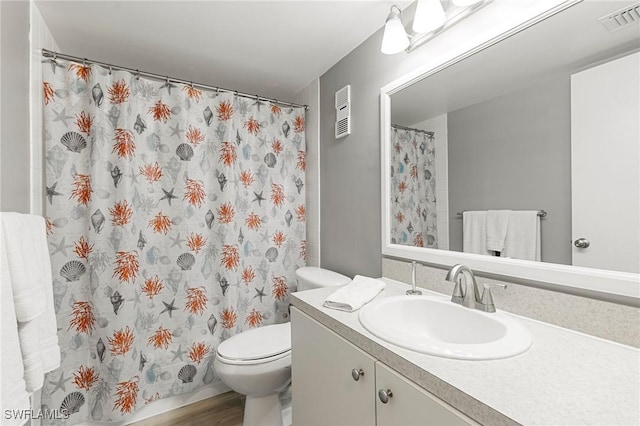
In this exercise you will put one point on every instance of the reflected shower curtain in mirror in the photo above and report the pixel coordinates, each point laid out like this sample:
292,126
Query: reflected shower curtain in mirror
413,188
175,218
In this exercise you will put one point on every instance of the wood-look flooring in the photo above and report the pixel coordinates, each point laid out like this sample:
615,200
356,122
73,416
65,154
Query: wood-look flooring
226,409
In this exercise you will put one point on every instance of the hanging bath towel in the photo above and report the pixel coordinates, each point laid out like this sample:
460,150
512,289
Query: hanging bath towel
523,236
474,232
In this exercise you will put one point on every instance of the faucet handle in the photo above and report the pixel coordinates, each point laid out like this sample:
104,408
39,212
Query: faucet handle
413,290
486,302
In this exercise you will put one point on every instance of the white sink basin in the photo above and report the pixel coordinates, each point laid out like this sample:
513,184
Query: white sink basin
436,326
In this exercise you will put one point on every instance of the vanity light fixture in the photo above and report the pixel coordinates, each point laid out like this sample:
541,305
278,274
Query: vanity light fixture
431,18
465,3
395,37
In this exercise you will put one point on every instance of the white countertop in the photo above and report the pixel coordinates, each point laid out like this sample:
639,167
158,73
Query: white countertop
565,378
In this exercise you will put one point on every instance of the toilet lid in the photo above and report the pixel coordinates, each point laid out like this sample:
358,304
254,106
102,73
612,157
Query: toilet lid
259,343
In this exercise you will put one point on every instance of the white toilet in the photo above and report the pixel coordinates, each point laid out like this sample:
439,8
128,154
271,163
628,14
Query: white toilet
257,363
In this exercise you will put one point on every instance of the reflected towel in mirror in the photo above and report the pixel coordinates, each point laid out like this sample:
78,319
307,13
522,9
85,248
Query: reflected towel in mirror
497,221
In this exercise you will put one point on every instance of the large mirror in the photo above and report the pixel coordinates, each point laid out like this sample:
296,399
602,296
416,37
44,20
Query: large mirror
533,141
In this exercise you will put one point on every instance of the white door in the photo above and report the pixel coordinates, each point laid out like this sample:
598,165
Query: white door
605,164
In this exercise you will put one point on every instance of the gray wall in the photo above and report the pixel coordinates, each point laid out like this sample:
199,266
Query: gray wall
14,106
350,180
350,176
514,152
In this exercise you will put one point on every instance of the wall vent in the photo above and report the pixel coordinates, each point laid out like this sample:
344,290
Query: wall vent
343,112
622,18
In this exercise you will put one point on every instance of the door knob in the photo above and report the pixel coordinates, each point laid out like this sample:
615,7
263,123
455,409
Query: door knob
581,243
384,395
356,374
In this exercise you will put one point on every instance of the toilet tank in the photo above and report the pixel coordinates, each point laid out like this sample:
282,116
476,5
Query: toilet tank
310,277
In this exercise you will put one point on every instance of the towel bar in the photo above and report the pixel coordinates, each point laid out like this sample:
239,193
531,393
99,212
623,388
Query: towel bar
541,213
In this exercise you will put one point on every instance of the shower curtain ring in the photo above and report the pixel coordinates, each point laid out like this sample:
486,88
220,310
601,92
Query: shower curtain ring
137,74
110,70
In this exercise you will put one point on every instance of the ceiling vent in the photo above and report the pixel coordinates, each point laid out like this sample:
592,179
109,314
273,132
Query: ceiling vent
622,18
343,112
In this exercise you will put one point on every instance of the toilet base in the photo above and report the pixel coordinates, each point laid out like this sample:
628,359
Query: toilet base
263,411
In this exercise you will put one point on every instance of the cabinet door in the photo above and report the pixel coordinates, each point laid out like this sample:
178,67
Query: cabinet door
410,404
323,389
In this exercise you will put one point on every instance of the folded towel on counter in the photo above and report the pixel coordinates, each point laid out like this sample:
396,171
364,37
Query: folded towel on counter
355,294
497,221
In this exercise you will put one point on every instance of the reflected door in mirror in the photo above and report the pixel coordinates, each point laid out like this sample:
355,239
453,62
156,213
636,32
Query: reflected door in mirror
605,137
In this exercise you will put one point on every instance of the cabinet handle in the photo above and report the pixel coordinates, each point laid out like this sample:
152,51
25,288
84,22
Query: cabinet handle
582,243
384,395
356,374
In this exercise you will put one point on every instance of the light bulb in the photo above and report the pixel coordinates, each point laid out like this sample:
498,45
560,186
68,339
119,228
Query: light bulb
395,38
429,16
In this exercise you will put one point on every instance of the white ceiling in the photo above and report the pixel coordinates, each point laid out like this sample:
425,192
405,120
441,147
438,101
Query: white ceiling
270,48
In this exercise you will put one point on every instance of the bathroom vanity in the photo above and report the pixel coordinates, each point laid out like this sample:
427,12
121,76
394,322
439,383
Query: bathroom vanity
345,385
342,374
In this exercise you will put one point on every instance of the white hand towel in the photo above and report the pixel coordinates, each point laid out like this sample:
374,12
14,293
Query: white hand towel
12,386
474,232
29,271
497,221
523,236
355,294
26,274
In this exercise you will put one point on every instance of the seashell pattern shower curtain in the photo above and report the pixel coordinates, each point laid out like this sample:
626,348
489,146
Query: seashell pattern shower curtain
175,219
413,189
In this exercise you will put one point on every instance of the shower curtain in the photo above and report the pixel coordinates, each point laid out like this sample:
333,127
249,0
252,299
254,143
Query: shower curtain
175,219
413,188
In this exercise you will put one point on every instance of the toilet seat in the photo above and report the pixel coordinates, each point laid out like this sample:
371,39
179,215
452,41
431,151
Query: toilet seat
258,346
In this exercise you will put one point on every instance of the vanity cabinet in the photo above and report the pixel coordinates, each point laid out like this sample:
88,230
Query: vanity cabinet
324,391
336,383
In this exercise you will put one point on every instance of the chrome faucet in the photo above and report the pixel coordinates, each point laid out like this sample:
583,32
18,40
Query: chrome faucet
465,291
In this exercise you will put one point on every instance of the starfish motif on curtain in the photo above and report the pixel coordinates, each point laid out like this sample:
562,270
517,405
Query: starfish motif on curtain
178,353
168,195
62,116
176,131
259,198
51,192
168,307
259,293
177,241
61,247
60,384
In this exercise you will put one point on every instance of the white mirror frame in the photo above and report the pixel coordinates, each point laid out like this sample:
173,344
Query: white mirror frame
621,287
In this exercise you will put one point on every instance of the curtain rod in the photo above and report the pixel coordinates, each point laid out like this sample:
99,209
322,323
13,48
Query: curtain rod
55,55
431,134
